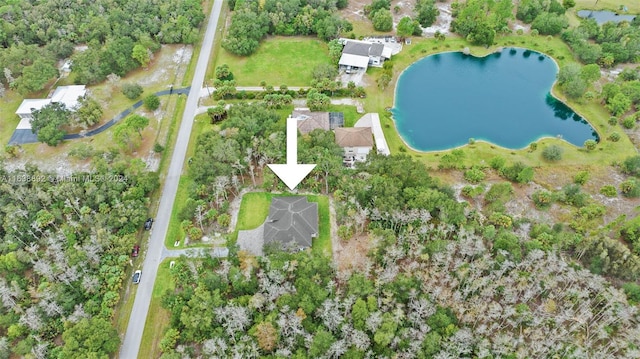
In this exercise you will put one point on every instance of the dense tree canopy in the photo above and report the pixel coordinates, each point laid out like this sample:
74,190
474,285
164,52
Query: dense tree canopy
426,12
252,20
480,20
607,45
64,258
38,33
48,123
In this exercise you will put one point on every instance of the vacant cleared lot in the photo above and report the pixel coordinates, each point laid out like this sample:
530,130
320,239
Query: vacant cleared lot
278,61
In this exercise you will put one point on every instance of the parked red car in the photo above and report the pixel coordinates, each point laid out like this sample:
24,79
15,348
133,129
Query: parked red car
135,251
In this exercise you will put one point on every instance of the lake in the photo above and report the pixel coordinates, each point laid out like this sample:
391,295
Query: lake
602,16
443,100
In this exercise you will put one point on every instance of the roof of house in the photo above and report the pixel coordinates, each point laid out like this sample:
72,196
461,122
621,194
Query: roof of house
309,121
372,120
362,48
292,221
29,105
354,137
68,95
354,60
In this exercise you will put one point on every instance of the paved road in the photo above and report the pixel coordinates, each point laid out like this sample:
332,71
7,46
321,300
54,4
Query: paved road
131,343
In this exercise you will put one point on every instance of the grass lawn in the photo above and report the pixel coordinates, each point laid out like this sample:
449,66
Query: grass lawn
174,232
8,118
632,5
350,113
158,317
254,209
322,244
278,61
606,152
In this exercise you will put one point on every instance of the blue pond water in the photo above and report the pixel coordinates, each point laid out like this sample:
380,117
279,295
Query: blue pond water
445,99
602,16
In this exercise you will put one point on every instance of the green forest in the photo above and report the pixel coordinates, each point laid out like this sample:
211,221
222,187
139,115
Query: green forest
118,36
65,252
442,279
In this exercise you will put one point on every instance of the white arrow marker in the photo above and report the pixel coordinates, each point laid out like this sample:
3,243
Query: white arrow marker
292,173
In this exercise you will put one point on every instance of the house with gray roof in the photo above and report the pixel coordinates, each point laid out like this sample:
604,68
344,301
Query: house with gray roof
358,54
292,222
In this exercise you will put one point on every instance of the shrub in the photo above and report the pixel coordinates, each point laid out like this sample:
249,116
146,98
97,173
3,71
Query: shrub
542,199
498,195
632,290
614,137
590,145
12,150
500,220
497,163
158,148
152,102
533,146
572,195
609,191
454,160
630,188
552,153
629,122
631,166
581,177
132,91
613,120
82,151
472,191
518,172
474,175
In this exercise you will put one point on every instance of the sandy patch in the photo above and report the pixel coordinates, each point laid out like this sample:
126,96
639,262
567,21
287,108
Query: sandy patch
443,21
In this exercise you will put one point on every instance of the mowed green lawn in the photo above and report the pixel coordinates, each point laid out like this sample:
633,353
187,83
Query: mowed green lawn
278,61
254,209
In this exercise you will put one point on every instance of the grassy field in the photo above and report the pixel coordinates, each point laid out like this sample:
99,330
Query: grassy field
632,5
174,232
278,61
158,317
322,244
254,209
378,101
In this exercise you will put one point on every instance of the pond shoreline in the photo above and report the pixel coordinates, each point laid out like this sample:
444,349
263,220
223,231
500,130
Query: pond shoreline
561,110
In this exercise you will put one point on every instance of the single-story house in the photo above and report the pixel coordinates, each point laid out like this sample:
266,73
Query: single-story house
356,142
309,121
357,54
292,223
66,95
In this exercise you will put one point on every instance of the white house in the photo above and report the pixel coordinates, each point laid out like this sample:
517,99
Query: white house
358,54
66,95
